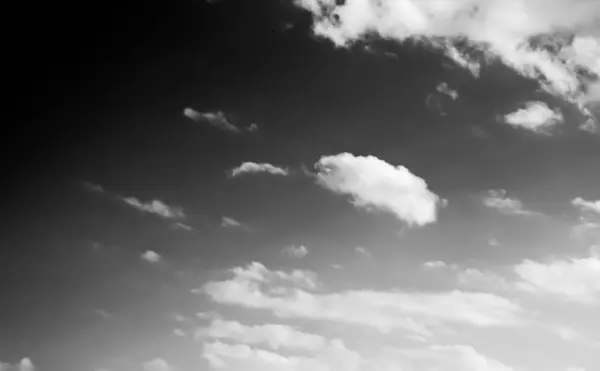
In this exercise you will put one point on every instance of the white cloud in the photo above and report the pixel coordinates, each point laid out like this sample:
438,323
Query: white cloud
297,251
216,119
482,280
584,205
536,117
253,168
415,312
24,365
155,207
277,336
229,222
498,199
179,332
375,184
94,187
157,364
151,256
526,35
575,280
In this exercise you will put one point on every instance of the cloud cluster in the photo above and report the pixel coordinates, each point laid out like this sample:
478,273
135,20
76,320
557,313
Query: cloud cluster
374,184
416,313
24,365
556,42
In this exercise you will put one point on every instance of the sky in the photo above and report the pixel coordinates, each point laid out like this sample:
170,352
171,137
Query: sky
393,185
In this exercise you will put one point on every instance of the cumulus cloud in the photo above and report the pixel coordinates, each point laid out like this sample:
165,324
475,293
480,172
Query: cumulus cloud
157,364
555,42
24,365
415,312
574,280
362,251
254,168
536,117
217,119
585,205
499,200
434,265
376,185
151,256
155,207
296,251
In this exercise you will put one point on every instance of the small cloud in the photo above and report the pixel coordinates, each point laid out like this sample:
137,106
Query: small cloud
444,89
493,242
297,251
230,222
94,187
179,332
590,126
151,256
155,207
252,128
254,168
337,266
362,251
216,119
157,364
102,313
497,199
536,117
435,265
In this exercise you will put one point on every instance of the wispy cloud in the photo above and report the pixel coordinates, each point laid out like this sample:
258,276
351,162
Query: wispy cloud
499,200
217,119
151,256
536,117
155,207
374,184
446,90
296,251
227,221
254,168
362,251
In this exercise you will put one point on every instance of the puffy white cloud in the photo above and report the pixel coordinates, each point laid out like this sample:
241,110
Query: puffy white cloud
155,207
217,119
575,280
556,42
415,312
151,256
585,205
296,251
275,335
253,168
24,365
499,200
157,364
536,117
375,184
